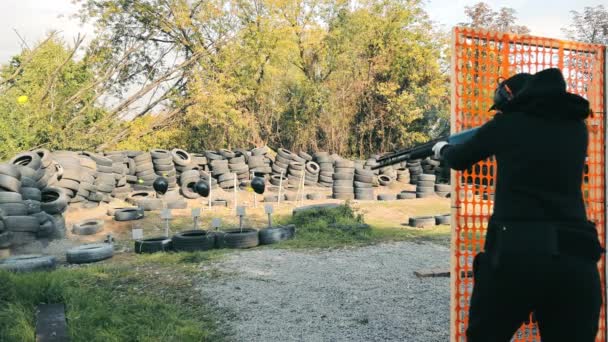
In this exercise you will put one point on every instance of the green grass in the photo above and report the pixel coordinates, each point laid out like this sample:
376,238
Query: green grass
325,228
141,298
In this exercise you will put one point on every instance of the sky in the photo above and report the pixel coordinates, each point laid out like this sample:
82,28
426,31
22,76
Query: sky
33,19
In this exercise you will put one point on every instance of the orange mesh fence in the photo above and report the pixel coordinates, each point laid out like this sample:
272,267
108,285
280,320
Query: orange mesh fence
479,58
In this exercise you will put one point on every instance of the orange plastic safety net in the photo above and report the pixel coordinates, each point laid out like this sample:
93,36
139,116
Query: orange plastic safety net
479,59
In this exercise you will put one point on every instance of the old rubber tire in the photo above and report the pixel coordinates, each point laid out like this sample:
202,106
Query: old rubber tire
422,221
10,170
28,224
425,177
194,240
424,194
315,196
343,176
406,195
187,190
385,180
386,197
272,235
443,188
425,189
443,219
29,159
54,200
153,245
31,194
89,253
14,209
32,207
128,214
8,183
28,263
237,238
181,157
88,227
160,154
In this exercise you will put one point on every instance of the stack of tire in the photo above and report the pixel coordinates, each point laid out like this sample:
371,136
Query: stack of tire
26,211
260,163
238,166
281,164
442,173
257,164
120,169
429,165
105,180
403,175
200,160
183,162
187,180
144,172
220,170
295,174
425,186
364,189
70,177
87,188
387,176
163,166
415,169
442,190
343,177
326,167
311,173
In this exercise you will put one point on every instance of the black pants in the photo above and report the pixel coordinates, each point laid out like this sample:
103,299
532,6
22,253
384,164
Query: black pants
564,293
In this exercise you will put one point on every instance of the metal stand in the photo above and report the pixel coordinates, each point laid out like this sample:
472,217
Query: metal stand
240,212
196,213
269,209
255,195
280,188
165,214
210,189
235,199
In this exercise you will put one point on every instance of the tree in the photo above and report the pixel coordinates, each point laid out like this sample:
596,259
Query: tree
348,76
590,25
481,15
43,102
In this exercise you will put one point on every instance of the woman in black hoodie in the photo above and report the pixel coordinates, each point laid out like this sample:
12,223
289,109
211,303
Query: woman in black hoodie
541,252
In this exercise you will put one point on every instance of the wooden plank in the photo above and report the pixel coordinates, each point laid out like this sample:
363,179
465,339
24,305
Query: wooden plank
51,324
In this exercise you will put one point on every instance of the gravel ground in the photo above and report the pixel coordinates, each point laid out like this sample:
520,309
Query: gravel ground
355,294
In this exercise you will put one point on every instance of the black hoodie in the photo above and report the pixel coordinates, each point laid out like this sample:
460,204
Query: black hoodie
540,145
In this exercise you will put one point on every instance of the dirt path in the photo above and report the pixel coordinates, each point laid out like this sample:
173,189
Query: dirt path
356,294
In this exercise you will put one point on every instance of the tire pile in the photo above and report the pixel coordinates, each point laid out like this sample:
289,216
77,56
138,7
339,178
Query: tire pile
429,221
344,176
202,240
364,182
30,206
326,168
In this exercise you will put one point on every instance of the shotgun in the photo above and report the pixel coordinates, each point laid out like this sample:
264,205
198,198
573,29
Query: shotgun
424,150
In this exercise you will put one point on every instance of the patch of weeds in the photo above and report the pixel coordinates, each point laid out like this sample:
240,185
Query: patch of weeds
109,302
328,227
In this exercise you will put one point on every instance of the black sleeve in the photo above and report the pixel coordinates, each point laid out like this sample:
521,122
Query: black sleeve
487,141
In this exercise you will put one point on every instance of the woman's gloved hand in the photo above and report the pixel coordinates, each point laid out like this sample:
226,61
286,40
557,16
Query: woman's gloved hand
437,148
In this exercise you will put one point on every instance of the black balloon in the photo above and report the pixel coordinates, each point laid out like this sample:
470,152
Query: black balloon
202,188
161,185
258,184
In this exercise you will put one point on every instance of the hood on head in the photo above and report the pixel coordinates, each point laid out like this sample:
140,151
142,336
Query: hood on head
545,95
